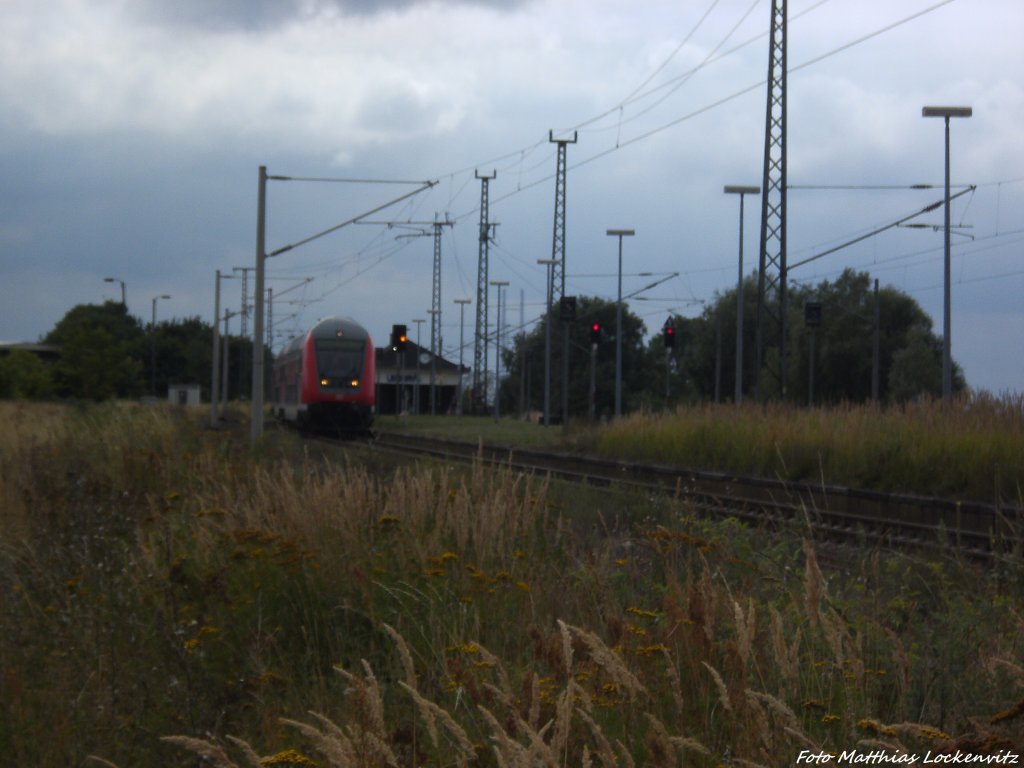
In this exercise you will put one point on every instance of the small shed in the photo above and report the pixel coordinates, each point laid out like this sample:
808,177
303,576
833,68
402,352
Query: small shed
184,394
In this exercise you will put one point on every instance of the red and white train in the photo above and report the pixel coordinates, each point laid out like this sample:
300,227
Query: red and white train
325,379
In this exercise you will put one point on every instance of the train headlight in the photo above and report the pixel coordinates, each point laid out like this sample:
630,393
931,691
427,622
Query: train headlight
324,382
354,383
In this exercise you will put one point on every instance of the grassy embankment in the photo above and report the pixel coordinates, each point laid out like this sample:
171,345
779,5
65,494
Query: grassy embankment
973,449
158,580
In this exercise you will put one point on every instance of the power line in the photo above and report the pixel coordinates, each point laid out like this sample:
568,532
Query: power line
342,181
871,187
689,73
672,55
879,230
697,112
683,80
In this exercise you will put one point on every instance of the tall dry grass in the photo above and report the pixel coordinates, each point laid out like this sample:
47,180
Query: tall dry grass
166,593
973,448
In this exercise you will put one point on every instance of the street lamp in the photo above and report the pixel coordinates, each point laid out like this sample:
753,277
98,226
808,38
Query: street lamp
499,284
462,327
152,345
115,280
947,360
550,264
731,189
619,233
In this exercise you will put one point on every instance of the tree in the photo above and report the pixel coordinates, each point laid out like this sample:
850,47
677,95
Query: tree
679,365
99,352
705,350
706,345
844,343
24,376
527,353
94,366
916,369
111,316
183,351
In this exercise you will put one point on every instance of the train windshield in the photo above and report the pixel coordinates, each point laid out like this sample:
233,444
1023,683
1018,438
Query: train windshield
340,358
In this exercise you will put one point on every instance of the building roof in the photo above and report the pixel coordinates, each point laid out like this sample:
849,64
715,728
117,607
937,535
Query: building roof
42,350
388,358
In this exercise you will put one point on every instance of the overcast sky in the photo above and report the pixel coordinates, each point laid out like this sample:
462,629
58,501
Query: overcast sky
131,133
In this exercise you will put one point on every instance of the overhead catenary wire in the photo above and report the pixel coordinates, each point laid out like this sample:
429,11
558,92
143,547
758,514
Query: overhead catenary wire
899,261
636,94
519,157
879,230
424,185
702,110
683,80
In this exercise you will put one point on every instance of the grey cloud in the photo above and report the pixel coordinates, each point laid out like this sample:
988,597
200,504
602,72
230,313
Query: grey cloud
257,15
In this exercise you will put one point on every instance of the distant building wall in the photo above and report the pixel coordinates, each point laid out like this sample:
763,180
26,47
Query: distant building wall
403,381
184,394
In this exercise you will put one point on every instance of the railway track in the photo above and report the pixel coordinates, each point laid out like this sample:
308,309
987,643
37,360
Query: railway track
896,520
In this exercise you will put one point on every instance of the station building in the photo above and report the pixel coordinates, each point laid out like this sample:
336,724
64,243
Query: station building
404,381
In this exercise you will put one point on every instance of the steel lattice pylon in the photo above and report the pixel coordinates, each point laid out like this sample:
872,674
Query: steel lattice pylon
435,312
771,278
558,237
435,294
480,340
558,268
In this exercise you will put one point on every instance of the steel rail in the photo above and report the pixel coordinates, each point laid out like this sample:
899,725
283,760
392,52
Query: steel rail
974,529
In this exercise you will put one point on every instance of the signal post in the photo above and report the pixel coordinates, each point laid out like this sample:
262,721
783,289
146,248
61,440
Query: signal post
595,339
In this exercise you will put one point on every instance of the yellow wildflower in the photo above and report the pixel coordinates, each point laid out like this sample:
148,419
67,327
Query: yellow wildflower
651,650
288,757
643,612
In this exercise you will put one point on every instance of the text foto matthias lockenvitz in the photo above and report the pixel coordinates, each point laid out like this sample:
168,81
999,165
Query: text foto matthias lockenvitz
882,757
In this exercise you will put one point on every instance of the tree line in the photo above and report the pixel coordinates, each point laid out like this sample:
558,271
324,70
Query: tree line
106,353
702,364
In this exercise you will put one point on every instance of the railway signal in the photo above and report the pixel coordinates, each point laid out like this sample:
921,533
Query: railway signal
669,330
595,333
567,309
812,319
399,338
670,335
812,314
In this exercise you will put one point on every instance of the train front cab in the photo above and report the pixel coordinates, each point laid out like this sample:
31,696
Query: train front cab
338,378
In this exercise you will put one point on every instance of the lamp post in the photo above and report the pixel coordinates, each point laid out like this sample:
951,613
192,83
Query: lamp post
731,189
215,357
416,389
216,349
947,359
462,328
619,233
499,284
225,358
152,345
550,264
124,303
435,347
